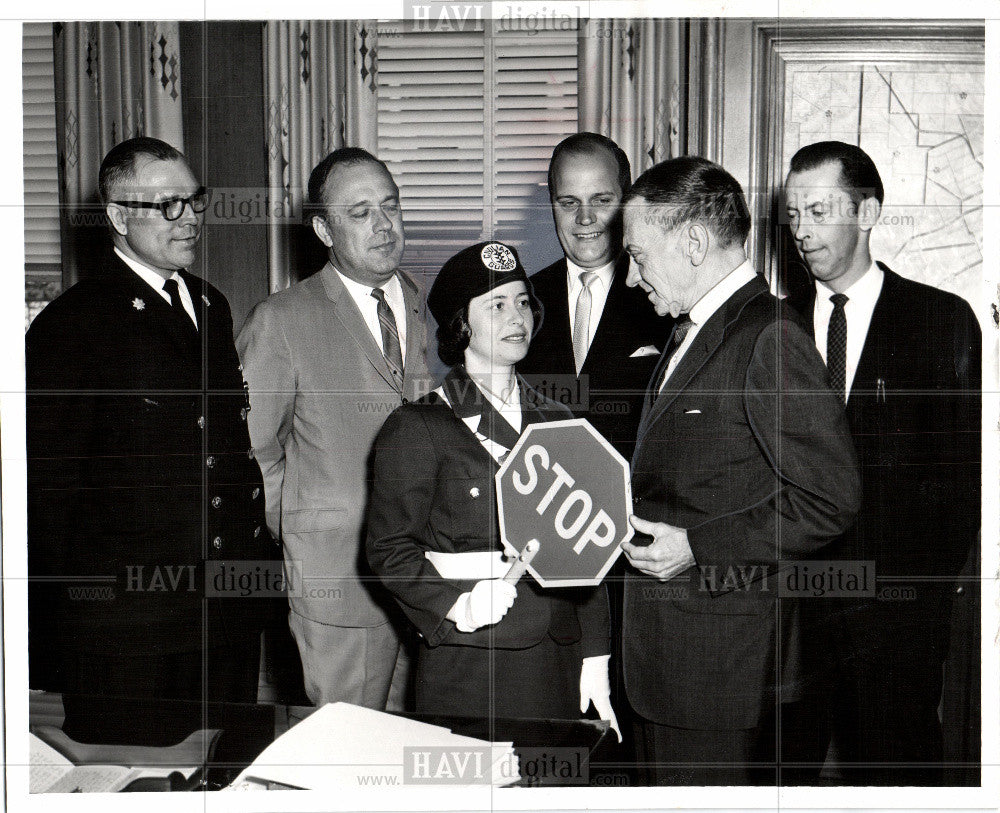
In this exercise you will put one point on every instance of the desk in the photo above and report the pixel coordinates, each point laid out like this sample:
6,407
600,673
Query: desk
247,729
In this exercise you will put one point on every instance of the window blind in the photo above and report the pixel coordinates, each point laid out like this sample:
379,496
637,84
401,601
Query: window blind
467,122
41,175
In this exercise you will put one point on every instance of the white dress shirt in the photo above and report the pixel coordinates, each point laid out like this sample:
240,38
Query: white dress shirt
155,281
706,307
368,305
861,299
599,287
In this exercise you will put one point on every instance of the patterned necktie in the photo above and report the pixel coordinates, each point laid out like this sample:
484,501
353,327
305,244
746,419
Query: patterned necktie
836,346
390,336
581,325
174,291
682,324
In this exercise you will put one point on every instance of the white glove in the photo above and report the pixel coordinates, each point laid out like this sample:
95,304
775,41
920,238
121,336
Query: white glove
486,604
595,687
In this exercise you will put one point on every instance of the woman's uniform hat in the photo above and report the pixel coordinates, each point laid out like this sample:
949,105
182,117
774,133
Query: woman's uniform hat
471,273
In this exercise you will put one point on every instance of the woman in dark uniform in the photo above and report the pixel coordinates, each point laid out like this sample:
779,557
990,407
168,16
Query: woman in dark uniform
487,648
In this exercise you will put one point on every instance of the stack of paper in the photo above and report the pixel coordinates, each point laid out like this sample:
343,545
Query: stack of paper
341,745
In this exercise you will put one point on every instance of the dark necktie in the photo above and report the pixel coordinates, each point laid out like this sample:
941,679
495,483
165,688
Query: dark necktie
174,291
682,324
836,346
390,336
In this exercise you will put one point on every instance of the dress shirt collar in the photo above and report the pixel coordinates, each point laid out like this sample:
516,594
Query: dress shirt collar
362,293
368,306
865,290
604,274
152,278
723,289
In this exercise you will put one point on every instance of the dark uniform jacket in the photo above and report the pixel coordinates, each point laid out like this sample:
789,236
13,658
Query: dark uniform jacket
612,383
747,449
140,474
434,490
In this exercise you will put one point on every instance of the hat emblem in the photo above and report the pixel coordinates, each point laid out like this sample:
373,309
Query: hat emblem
497,257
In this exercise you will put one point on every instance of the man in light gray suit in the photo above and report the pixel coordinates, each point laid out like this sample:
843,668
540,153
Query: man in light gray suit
327,360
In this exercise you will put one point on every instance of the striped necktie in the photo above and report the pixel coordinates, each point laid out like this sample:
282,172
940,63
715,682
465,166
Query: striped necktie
390,336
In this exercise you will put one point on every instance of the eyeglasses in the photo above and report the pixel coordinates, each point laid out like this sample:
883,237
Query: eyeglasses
173,208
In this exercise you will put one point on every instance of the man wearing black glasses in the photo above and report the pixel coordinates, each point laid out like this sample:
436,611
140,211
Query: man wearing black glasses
145,502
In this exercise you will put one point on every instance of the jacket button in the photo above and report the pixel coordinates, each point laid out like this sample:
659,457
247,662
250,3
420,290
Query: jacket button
201,422
636,500
210,461
217,543
256,532
255,494
216,502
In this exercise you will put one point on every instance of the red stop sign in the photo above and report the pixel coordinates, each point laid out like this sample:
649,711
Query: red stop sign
566,486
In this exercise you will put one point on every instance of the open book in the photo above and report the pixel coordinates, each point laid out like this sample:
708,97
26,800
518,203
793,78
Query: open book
51,771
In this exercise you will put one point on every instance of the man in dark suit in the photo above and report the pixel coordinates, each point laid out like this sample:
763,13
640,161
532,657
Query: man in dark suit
742,461
906,359
599,339
143,495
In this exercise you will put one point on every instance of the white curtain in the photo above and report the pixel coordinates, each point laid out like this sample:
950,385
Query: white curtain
114,81
320,94
652,86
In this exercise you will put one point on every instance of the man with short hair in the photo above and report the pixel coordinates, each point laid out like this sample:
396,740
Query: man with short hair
905,357
599,338
742,460
141,482
327,361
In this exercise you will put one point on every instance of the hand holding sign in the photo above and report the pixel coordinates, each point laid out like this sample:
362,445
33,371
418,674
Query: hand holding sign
486,604
666,556
565,485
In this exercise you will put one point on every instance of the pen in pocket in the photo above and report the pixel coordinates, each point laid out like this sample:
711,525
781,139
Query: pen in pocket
880,390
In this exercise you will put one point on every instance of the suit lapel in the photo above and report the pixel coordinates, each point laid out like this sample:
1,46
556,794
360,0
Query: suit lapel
706,342
556,321
347,311
414,337
157,314
467,401
882,324
615,308
199,300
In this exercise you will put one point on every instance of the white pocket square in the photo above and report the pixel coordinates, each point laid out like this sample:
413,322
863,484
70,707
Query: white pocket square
692,412
645,350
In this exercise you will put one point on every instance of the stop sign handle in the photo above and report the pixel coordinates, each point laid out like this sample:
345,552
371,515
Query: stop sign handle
523,560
